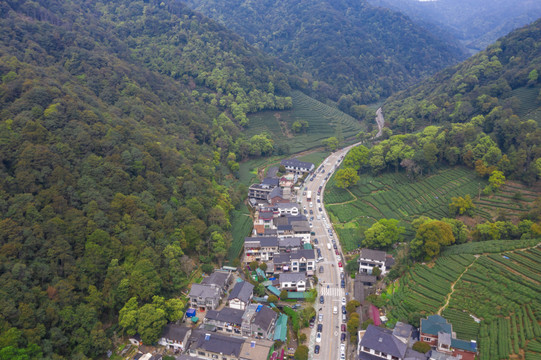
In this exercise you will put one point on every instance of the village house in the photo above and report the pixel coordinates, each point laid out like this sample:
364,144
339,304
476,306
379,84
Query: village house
241,295
204,297
301,260
175,337
259,321
262,191
211,346
227,320
382,343
368,259
256,349
437,332
293,281
297,167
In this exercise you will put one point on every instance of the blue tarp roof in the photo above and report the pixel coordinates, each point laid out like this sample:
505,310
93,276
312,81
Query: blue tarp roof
190,312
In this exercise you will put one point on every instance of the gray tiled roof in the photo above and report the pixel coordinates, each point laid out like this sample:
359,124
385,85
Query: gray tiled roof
216,343
414,355
264,317
296,163
276,192
287,205
175,332
290,242
303,253
403,330
290,277
367,278
381,339
271,181
218,278
265,241
204,291
242,291
373,254
227,315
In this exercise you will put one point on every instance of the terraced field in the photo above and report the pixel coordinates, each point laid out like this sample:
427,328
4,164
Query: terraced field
324,121
494,298
393,195
530,106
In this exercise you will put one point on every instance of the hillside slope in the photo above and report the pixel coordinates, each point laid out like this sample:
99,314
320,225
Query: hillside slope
350,46
111,164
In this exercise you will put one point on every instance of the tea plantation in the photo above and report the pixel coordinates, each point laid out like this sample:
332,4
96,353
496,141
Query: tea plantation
494,298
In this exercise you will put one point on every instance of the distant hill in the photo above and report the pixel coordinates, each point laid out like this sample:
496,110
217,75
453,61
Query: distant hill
350,47
475,23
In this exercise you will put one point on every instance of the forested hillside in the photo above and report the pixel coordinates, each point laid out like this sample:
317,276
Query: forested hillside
119,121
475,23
482,110
352,47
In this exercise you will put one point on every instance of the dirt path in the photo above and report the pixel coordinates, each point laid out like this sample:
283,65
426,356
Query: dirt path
453,286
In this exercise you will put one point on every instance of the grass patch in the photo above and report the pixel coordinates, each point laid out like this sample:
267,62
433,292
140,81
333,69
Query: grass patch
241,226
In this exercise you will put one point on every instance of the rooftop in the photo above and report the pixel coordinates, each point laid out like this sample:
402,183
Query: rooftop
204,291
292,277
381,339
226,315
264,317
296,163
373,254
218,278
256,349
216,343
175,332
435,324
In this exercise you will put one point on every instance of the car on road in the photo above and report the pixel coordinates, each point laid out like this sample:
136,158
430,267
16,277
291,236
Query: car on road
318,337
316,241
316,349
320,209
343,327
311,218
320,318
343,336
339,264
321,269
311,225
342,284
343,309
319,327
311,212
343,301
334,246
318,200
321,300
336,252
305,212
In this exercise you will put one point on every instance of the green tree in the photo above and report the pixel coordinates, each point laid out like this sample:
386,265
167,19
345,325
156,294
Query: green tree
367,322
127,317
430,237
461,205
376,271
346,178
283,295
302,338
301,353
357,157
352,305
259,290
272,299
331,143
430,154
150,322
496,180
383,234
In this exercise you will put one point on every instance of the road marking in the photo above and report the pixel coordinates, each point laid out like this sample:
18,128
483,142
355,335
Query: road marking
332,291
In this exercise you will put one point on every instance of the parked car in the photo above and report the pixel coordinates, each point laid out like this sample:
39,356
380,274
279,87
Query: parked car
343,336
336,252
316,241
344,309
320,318
321,269
318,337
321,300
343,301
342,284
339,264
343,327
319,327
316,349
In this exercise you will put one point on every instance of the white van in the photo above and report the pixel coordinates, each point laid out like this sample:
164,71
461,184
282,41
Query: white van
329,246
335,310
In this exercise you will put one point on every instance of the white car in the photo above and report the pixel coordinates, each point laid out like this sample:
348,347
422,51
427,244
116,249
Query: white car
342,348
318,337
344,301
320,318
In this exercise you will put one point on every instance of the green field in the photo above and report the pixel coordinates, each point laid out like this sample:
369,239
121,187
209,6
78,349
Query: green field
324,121
530,106
395,196
503,290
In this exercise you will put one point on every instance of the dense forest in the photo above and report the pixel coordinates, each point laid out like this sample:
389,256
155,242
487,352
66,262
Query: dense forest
476,113
114,163
475,23
358,53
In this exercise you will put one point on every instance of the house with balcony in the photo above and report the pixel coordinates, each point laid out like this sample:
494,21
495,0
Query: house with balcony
204,297
369,259
301,260
241,295
175,337
298,167
436,331
259,321
381,343
293,281
227,320
212,346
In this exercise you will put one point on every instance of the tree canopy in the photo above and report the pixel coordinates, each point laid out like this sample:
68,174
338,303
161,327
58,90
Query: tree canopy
383,234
